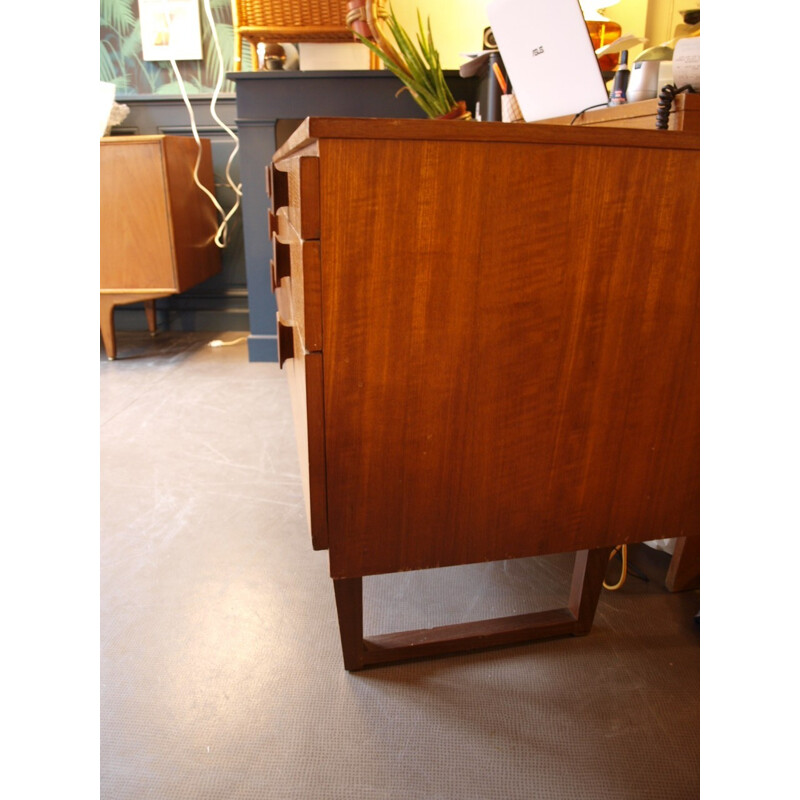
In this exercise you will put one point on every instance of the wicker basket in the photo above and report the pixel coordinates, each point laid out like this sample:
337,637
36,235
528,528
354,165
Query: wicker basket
257,21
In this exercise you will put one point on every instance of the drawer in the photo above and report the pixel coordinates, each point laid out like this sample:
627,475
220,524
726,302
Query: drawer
281,280
304,374
293,184
277,187
283,297
296,278
280,265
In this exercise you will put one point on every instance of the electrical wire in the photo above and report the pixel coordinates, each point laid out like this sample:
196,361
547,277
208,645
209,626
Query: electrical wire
665,99
221,236
588,108
624,574
237,188
220,343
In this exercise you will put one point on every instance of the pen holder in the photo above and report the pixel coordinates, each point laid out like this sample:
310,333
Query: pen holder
510,109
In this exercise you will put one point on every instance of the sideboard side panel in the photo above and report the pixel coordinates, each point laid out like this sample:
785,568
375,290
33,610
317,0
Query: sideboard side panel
571,419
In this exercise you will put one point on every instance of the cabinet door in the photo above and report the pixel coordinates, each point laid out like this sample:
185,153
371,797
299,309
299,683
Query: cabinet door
135,242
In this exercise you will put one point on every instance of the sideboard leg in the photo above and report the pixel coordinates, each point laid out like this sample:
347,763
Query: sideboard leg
574,620
150,313
587,583
107,304
684,567
350,609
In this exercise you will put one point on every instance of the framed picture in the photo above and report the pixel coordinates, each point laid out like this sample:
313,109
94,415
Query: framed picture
170,30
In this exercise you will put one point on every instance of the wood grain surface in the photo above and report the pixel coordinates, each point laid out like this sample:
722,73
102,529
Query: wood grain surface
511,346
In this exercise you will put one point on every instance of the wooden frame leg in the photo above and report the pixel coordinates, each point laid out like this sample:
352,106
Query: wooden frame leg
107,304
587,583
684,566
350,610
150,313
109,300
575,620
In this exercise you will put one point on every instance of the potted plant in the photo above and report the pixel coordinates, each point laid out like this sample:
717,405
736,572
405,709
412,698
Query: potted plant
417,66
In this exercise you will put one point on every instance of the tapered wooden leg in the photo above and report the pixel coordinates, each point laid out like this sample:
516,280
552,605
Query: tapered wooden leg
575,620
684,567
150,313
350,609
587,583
107,304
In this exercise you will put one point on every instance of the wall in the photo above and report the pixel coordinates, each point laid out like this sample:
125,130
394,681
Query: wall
121,61
457,27
663,16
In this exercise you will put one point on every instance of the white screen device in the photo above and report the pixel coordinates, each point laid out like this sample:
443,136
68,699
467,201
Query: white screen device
548,55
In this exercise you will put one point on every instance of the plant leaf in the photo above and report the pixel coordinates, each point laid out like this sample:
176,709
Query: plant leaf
417,65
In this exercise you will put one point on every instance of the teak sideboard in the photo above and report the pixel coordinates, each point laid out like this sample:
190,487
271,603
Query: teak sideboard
491,336
157,226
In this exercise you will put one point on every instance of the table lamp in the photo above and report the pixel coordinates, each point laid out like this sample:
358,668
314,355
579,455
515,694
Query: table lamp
602,31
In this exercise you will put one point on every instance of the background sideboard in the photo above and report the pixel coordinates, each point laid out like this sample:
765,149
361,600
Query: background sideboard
219,303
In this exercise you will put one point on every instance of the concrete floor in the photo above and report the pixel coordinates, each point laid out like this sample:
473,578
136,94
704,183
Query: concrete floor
221,671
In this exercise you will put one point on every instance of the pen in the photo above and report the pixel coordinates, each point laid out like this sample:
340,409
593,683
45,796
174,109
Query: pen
498,73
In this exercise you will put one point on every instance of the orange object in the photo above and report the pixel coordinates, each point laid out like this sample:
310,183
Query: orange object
603,32
498,73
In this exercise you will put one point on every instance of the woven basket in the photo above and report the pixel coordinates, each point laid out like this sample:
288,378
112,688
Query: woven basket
257,21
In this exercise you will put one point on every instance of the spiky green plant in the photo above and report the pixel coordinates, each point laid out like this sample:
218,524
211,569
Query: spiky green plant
418,67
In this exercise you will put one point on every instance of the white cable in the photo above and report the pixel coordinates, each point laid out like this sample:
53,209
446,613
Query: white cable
220,239
221,235
221,76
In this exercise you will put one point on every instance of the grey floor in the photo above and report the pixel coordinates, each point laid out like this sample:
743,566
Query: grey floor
221,672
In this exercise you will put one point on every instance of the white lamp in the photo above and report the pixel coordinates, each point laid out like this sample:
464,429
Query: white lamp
591,10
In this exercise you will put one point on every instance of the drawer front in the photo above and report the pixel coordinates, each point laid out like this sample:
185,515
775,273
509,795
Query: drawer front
286,341
277,186
306,290
304,374
297,282
295,268
281,279
294,184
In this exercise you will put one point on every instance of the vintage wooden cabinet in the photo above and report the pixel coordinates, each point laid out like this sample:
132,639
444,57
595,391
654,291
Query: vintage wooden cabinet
491,335
157,226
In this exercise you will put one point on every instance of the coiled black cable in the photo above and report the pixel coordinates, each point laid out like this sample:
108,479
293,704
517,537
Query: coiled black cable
665,99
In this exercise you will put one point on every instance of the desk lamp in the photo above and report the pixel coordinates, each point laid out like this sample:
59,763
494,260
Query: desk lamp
602,32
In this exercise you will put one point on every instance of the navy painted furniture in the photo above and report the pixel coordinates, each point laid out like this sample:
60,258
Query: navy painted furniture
267,103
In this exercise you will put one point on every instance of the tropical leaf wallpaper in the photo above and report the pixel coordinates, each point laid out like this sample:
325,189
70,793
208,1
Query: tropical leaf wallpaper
121,61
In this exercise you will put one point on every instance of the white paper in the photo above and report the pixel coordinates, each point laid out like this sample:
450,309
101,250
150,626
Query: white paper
686,62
